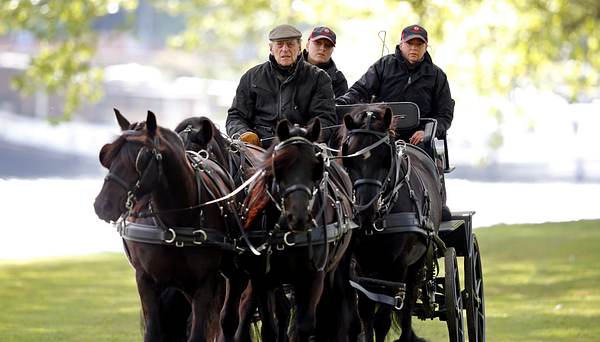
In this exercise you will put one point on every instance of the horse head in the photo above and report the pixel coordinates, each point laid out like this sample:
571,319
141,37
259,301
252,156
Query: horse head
297,167
368,152
135,163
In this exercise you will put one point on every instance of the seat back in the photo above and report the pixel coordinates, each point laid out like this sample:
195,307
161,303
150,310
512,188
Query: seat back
407,113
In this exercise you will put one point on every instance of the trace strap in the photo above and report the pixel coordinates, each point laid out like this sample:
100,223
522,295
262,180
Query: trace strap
397,302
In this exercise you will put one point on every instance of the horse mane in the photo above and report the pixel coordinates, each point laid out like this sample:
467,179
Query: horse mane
138,133
110,151
258,199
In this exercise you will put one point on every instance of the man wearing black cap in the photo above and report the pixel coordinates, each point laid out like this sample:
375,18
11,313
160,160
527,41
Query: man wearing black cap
284,87
408,75
319,47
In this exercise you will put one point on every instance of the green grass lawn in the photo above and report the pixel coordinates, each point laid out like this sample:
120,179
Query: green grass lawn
542,283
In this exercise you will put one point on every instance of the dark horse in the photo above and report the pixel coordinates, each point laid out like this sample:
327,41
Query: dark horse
297,215
398,207
172,236
241,160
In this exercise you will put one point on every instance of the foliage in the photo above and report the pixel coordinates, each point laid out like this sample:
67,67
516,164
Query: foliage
235,31
492,45
67,45
541,284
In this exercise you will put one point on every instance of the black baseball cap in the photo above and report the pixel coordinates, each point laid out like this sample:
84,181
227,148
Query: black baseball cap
323,32
414,31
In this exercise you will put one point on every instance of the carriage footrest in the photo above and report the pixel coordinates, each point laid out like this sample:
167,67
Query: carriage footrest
451,225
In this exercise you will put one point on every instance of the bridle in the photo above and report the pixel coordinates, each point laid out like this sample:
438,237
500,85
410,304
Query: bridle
321,185
284,193
135,190
391,184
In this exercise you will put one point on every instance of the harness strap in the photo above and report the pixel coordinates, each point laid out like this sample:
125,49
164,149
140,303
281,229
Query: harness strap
300,239
173,236
397,301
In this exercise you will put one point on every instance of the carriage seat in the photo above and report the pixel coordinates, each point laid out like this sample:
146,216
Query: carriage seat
407,113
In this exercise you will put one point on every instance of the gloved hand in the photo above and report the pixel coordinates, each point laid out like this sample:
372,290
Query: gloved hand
250,138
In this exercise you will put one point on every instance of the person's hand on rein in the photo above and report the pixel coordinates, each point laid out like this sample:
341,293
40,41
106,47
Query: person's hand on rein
250,138
417,137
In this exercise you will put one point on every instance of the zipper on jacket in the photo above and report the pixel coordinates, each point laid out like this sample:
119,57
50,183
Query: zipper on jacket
407,83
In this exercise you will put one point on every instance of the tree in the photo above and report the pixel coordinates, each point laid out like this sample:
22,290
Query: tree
67,45
496,45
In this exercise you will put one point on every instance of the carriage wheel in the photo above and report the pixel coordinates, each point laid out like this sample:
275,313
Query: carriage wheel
474,302
453,298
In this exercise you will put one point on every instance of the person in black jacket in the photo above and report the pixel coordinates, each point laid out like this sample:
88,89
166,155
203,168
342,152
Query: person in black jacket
319,48
409,75
284,87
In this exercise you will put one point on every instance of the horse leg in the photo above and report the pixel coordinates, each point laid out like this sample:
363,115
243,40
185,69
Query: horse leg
308,294
229,312
408,334
336,308
203,306
149,296
282,312
382,322
246,309
263,297
175,314
366,311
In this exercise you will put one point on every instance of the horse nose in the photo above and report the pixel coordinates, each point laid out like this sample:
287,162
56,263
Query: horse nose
104,210
296,222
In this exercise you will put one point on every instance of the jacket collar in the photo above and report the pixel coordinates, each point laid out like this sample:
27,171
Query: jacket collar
286,72
426,59
325,66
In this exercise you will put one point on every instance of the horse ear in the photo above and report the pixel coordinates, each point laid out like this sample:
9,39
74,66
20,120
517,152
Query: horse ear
151,123
103,156
283,130
349,122
123,123
387,117
314,129
205,133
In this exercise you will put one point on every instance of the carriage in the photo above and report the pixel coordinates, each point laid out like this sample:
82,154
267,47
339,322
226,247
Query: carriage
438,296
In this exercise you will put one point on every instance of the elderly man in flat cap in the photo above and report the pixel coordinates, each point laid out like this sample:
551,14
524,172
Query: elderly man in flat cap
284,87
409,75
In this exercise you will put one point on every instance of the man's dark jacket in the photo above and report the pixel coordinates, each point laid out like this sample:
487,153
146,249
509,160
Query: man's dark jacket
391,79
338,80
266,94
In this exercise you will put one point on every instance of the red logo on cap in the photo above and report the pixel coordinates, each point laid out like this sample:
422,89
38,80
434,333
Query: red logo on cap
416,28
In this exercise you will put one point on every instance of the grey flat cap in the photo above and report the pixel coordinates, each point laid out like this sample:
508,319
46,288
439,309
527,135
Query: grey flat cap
284,31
